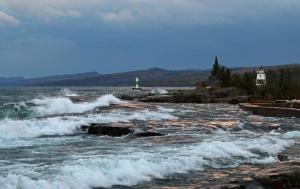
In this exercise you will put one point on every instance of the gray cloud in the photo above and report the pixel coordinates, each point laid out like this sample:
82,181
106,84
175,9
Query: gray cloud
123,16
155,11
8,19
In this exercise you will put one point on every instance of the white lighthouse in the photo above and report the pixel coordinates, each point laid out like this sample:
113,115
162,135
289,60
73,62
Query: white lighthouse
261,79
137,83
137,86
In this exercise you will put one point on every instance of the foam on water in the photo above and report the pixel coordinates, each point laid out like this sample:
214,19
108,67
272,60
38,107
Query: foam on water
292,134
66,92
18,129
138,166
59,105
17,110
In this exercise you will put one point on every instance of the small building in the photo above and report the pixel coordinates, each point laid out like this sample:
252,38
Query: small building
261,79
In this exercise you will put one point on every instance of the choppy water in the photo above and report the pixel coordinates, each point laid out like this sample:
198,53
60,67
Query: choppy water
41,149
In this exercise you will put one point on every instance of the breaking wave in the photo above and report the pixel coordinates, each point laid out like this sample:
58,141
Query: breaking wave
60,105
20,129
139,166
15,111
52,106
66,92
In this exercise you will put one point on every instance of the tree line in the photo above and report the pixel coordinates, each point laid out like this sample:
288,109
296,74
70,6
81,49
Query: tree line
283,83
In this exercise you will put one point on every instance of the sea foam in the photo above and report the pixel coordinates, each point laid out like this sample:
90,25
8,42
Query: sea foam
20,129
138,166
59,105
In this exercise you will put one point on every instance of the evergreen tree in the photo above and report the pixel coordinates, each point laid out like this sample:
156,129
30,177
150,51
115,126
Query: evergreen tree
249,82
216,68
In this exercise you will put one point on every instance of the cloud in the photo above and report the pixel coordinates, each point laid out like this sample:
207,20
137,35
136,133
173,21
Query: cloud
8,19
44,9
155,11
123,16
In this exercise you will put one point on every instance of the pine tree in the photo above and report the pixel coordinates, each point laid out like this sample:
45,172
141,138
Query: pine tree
216,68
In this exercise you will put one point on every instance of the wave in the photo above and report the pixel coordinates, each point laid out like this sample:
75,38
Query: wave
66,92
60,105
20,129
137,166
52,106
15,111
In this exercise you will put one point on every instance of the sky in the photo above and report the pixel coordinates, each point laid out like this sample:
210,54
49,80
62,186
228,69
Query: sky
46,37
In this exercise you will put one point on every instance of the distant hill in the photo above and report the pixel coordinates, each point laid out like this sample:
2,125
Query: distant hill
275,67
11,81
21,81
149,77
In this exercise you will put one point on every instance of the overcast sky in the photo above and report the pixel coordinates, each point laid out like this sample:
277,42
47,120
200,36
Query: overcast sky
45,37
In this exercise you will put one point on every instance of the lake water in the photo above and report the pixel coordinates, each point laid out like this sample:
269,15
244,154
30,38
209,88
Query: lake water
42,145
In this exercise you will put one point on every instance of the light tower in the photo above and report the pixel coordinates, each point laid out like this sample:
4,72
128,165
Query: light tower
137,83
137,86
261,79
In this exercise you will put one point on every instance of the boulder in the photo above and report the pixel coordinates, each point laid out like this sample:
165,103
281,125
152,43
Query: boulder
281,157
148,134
108,130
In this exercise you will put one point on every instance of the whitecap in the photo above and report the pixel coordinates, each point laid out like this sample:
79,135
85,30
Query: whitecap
139,166
59,105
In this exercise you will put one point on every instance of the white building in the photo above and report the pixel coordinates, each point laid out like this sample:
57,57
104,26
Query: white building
261,79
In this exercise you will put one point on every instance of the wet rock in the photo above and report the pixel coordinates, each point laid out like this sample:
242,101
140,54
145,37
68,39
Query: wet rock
85,127
284,175
135,95
158,98
100,129
222,95
148,134
281,157
270,110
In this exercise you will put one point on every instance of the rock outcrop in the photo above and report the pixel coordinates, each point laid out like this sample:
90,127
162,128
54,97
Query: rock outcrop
282,175
148,134
116,130
102,129
222,95
271,110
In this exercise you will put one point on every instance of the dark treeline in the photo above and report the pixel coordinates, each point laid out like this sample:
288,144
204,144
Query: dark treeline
283,83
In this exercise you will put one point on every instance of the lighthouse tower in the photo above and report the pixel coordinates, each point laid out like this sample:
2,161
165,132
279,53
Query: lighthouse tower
137,83
137,86
261,79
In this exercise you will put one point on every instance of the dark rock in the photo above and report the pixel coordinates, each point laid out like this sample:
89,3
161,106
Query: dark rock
223,95
272,111
148,134
228,92
193,96
95,129
135,95
284,175
84,127
157,98
281,157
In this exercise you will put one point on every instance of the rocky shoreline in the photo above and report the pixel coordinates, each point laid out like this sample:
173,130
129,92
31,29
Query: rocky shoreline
231,95
271,109
281,175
